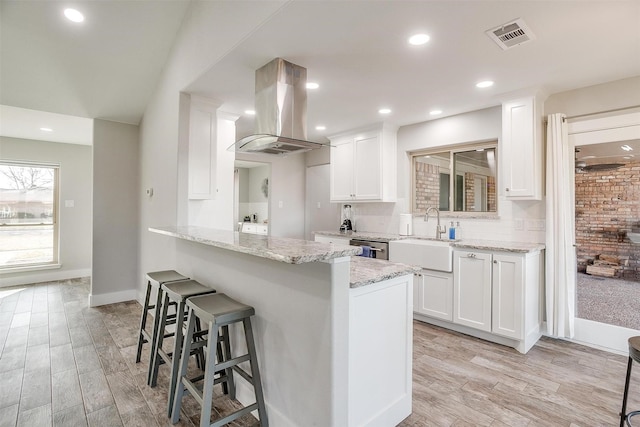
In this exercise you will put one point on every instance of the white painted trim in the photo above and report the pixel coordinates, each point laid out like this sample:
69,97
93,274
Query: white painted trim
32,267
113,297
43,276
603,336
621,127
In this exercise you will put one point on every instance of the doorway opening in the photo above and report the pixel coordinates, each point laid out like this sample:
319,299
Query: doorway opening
251,196
607,214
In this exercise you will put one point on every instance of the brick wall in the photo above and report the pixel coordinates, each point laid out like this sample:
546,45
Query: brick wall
607,206
427,186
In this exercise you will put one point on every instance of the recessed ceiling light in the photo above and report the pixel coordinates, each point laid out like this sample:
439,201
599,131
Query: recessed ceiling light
484,84
312,85
384,111
46,129
435,112
321,127
626,148
418,39
628,157
588,157
73,15
480,149
250,112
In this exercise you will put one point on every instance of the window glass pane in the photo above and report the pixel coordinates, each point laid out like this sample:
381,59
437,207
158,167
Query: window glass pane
475,180
27,214
431,181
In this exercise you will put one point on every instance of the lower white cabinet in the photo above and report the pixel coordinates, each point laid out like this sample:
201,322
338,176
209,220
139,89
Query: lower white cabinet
472,289
433,294
499,292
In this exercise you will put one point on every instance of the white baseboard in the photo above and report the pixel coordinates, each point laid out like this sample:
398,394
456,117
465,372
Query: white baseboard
603,336
113,297
39,276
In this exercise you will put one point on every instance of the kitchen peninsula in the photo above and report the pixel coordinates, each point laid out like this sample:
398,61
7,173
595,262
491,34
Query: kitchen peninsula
333,331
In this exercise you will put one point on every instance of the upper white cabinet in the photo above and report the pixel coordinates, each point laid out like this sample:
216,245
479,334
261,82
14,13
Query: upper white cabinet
521,149
202,148
363,165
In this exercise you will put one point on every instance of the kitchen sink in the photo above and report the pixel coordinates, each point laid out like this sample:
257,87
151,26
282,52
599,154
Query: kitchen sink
426,253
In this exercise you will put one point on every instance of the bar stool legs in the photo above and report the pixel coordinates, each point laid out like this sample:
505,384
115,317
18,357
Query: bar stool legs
219,311
155,279
634,354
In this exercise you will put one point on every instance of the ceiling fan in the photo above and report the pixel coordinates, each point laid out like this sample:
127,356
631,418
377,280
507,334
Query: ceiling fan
582,166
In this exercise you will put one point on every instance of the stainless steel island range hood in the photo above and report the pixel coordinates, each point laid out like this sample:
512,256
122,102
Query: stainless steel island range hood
281,111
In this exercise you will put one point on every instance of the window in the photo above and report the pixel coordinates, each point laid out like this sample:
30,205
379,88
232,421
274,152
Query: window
462,178
28,214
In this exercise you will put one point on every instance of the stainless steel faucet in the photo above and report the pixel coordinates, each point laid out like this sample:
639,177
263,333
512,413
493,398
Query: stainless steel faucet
440,229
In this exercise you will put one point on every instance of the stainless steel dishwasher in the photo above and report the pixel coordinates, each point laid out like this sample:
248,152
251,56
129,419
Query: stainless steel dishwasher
379,250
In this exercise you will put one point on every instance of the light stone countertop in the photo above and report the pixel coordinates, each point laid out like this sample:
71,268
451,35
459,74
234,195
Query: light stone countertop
489,245
290,251
366,271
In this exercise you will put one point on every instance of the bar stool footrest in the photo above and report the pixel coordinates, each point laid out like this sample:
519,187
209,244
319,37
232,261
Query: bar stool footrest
234,416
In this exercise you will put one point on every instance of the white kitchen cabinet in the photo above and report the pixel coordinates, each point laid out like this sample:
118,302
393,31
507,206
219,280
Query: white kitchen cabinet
500,293
433,294
202,148
472,289
521,149
363,165
253,228
508,283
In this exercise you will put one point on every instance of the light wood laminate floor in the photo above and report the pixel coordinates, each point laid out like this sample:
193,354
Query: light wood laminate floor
64,364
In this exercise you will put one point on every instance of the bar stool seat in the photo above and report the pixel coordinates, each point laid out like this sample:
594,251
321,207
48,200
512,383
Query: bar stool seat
155,279
634,355
219,311
176,293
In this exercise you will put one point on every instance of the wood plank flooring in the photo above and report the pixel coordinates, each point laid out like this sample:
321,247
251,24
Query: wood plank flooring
64,364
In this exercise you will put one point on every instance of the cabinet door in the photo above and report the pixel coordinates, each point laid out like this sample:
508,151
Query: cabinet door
342,172
202,150
521,150
472,289
508,298
367,172
433,295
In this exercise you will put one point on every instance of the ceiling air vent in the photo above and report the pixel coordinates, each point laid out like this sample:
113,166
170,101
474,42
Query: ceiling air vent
511,34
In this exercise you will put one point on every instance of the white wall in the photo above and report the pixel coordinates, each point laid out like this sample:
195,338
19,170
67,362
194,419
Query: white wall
75,222
614,95
209,31
115,213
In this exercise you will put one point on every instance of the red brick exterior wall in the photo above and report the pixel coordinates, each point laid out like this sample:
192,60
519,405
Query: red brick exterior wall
427,186
607,206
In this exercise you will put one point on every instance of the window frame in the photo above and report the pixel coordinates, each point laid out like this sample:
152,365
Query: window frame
452,150
55,223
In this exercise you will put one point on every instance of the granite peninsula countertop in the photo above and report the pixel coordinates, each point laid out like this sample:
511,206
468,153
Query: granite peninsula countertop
290,251
366,271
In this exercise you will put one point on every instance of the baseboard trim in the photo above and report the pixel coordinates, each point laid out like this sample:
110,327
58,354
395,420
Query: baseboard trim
603,336
43,276
112,298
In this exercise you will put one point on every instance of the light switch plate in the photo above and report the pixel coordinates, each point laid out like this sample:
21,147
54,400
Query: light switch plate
69,203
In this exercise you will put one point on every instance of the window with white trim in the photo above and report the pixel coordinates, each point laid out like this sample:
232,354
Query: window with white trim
28,214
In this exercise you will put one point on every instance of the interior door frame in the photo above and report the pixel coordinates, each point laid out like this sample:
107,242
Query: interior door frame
599,129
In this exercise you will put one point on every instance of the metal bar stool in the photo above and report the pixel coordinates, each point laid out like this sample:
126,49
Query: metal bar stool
634,354
219,311
175,293
155,279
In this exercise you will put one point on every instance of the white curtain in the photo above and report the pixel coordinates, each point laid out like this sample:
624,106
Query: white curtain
560,226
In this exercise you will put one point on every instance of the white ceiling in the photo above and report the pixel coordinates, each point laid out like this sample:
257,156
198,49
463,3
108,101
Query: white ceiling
355,50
